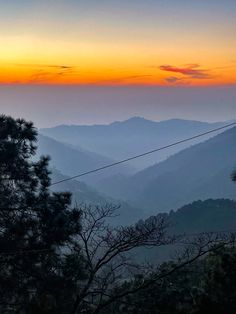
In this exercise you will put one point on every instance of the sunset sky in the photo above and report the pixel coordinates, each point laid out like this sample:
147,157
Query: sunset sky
126,42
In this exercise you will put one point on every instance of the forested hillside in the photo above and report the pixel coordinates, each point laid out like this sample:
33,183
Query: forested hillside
209,216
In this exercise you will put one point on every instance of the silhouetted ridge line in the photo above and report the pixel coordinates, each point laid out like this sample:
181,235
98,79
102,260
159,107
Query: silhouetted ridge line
143,154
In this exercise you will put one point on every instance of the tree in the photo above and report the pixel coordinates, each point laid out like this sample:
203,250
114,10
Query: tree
218,284
234,176
107,249
172,294
37,229
114,277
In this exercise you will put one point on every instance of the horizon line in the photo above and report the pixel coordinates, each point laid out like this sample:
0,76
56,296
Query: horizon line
136,117
114,85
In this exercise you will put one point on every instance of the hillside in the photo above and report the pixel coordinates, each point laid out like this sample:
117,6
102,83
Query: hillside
83,194
198,217
72,160
120,140
204,216
199,172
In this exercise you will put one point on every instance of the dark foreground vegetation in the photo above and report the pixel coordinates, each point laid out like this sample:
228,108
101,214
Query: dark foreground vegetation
59,258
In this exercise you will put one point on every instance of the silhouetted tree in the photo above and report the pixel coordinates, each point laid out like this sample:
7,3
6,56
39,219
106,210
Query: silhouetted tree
218,285
114,277
39,266
234,176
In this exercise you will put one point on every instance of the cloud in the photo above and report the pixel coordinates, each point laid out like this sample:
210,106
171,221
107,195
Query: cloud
45,72
173,79
38,65
190,70
124,79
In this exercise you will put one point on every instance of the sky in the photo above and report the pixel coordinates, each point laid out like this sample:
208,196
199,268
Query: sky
96,61
111,42
52,105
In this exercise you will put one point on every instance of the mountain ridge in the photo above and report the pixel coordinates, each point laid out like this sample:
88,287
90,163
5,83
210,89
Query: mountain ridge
120,140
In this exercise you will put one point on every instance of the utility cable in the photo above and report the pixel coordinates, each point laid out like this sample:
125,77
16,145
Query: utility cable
143,154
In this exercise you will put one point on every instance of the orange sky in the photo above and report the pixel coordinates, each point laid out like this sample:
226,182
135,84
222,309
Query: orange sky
159,45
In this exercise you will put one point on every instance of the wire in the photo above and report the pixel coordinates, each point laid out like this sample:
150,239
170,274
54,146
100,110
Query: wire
142,155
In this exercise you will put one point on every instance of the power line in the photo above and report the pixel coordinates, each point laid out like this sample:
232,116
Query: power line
143,154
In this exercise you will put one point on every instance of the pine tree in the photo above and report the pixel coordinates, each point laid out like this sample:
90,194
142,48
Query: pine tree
40,266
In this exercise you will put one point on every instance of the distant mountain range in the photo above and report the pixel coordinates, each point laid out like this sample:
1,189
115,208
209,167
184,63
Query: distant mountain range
199,172
120,140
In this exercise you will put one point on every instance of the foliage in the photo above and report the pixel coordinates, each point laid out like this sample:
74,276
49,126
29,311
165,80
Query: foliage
234,176
218,287
37,229
205,286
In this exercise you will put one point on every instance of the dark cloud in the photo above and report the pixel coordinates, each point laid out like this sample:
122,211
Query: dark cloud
173,79
124,79
38,65
190,70
40,76
44,72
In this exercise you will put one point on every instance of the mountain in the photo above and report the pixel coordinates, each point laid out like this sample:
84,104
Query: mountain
198,217
201,171
136,135
67,160
217,215
73,160
83,194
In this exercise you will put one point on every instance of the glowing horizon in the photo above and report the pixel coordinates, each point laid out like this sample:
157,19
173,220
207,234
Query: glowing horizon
113,43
